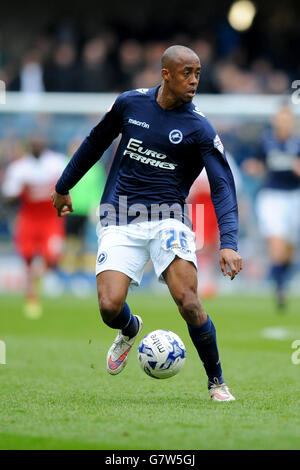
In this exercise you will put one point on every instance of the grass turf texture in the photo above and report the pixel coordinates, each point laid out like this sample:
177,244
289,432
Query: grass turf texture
56,393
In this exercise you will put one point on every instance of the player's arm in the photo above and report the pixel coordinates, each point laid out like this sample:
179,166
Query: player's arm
296,166
223,195
13,184
89,152
62,203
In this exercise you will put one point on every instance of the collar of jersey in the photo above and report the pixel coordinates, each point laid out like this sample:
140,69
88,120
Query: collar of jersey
180,109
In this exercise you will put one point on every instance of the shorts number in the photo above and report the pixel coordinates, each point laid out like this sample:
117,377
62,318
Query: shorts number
176,240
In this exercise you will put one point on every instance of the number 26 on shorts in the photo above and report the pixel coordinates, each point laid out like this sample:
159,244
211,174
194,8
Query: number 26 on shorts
175,239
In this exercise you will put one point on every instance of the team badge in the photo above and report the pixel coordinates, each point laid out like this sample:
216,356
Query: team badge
175,136
102,257
218,144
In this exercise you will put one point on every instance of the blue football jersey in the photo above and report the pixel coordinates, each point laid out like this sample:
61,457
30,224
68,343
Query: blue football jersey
160,154
279,158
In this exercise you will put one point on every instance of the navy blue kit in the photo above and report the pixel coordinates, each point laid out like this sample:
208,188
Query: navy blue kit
278,158
160,154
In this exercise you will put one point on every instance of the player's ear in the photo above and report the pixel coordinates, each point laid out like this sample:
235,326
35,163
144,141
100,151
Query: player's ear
165,74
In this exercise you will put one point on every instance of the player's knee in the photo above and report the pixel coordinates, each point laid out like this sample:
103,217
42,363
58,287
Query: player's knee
190,307
188,301
109,308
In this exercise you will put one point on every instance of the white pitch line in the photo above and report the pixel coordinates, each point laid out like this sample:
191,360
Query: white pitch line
277,332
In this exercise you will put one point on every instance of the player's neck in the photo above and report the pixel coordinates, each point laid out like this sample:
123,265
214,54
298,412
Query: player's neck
283,136
166,99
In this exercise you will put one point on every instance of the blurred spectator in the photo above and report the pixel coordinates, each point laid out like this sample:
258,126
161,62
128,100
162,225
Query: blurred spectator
62,72
3,55
147,78
30,78
150,75
96,73
153,51
269,80
43,45
108,65
130,63
262,68
204,49
278,82
231,79
135,40
227,76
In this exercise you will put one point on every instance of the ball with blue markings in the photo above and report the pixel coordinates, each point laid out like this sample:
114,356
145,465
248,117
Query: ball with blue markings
161,354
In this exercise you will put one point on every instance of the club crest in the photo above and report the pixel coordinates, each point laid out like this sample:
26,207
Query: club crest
175,136
102,257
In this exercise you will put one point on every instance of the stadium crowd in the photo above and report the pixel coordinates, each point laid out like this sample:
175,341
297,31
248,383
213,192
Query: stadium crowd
66,59
104,63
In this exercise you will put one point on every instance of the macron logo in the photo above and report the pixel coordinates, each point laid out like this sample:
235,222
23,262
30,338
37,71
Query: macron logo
139,123
197,110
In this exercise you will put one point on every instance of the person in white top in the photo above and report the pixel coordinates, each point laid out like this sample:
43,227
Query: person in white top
38,232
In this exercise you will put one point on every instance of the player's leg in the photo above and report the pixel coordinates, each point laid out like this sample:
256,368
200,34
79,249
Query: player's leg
26,246
50,246
281,254
278,217
112,287
120,261
32,305
181,278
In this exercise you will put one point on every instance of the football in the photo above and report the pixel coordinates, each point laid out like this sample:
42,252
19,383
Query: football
161,354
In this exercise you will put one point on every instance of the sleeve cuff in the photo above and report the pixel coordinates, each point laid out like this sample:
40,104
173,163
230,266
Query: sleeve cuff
228,245
60,190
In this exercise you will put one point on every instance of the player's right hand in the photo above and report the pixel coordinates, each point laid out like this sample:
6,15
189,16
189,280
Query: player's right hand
62,203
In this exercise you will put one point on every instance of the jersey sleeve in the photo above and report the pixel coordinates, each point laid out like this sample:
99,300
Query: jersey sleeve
13,183
93,147
222,186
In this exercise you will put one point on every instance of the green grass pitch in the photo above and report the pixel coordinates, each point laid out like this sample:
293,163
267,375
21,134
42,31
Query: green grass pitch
56,393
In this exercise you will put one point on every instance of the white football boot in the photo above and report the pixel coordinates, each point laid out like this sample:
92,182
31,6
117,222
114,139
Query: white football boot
117,355
220,392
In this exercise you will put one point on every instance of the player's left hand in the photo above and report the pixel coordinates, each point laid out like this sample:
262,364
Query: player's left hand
62,203
233,260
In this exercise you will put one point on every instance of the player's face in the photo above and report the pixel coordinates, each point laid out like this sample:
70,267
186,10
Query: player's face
36,146
283,124
183,79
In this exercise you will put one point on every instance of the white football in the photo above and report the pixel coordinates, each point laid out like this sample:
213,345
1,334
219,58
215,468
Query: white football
161,354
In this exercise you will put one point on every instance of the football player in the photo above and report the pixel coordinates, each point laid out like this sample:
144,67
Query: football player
278,202
166,142
37,232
